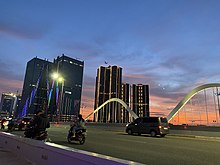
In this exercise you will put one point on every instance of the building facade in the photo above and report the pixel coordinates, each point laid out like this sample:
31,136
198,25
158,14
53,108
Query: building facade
35,91
140,100
126,97
42,91
108,85
10,103
71,88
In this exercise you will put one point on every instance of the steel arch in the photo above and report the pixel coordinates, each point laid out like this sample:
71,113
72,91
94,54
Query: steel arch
112,100
188,97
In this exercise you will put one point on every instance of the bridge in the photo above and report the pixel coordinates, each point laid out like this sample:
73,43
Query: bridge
178,107
55,153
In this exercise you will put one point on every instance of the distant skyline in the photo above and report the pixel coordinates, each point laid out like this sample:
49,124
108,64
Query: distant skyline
171,45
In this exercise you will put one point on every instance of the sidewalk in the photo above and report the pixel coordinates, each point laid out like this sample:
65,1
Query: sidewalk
9,158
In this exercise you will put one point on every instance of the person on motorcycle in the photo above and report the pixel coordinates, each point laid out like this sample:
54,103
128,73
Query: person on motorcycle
78,124
40,123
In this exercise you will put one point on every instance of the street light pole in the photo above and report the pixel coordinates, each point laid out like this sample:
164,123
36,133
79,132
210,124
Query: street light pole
59,94
59,79
61,97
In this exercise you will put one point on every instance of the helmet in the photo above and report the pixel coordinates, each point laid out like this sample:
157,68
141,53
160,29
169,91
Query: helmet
80,116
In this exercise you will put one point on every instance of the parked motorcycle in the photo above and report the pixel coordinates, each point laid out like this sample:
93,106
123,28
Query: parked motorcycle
80,135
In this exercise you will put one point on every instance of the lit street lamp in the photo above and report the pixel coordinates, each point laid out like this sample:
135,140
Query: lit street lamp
55,76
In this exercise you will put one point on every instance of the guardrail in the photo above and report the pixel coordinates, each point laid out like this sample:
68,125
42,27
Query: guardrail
45,153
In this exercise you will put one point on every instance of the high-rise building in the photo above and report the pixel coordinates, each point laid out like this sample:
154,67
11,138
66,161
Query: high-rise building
108,85
125,96
140,100
10,103
72,72
35,92
43,91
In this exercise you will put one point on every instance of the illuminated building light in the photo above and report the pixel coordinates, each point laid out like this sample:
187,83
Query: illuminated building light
68,92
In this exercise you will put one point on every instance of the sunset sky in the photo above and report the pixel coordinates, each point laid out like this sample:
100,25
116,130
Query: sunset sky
171,45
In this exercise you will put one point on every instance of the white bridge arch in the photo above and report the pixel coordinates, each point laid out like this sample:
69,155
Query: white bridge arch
112,100
188,97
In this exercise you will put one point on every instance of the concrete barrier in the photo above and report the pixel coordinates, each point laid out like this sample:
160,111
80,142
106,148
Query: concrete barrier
44,153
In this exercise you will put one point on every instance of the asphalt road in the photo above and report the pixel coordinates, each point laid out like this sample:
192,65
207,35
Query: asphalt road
171,150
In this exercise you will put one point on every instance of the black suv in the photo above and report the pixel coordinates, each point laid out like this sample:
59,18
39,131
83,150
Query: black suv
148,125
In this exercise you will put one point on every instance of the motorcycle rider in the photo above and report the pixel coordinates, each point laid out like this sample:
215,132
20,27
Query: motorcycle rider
39,123
78,124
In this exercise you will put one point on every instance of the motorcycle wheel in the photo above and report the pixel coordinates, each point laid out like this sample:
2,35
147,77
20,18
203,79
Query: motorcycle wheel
69,139
82,140
10,129
41,138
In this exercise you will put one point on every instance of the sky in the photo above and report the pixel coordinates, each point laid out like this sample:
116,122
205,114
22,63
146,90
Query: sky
171,45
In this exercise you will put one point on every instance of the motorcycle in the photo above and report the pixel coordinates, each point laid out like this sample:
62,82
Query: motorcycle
80,135
30,133
11,127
